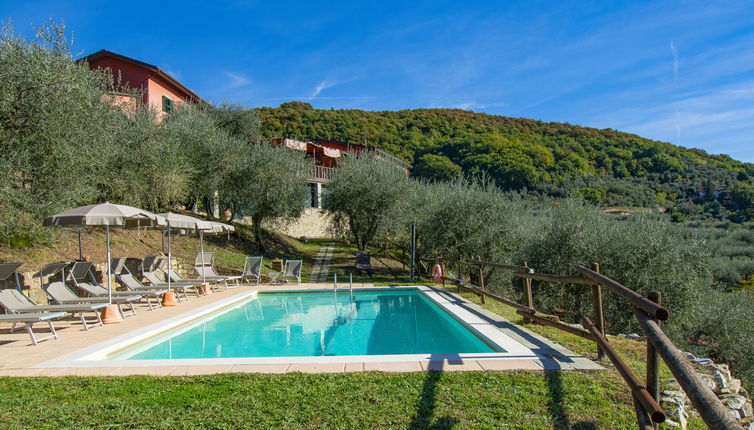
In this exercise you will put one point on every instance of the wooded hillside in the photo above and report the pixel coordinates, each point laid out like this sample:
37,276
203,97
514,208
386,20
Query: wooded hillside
607,167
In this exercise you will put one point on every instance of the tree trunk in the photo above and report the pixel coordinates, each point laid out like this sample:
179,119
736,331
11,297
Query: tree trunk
257,226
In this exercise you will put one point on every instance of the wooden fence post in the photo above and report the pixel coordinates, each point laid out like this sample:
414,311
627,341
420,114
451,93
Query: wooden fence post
599,317
653,358
528,297
481,278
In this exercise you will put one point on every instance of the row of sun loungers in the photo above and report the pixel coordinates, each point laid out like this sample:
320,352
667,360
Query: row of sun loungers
79,278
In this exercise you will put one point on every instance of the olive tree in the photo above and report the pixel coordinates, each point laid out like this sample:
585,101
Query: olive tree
237,121
468,218
266,182
364,196
53,123
642,252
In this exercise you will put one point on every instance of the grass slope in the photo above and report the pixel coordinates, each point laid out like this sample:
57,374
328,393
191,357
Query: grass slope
229,252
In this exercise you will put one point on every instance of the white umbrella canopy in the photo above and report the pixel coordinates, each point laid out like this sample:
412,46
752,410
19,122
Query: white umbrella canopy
185,222
220,228
105,215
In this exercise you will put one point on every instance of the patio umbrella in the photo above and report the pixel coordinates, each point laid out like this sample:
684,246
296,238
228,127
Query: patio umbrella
217,228
105,215
185,223
203,227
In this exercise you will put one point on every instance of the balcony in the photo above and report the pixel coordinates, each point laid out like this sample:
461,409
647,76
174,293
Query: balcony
321,173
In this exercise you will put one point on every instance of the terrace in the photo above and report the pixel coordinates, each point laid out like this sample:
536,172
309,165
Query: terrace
321,173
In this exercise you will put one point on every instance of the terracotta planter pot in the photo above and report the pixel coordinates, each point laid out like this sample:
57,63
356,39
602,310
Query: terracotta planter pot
111,314
168,299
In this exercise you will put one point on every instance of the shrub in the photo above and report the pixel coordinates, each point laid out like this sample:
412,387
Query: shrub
719,326
641,253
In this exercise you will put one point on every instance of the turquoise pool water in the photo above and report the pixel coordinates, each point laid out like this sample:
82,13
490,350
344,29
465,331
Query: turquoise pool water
316,324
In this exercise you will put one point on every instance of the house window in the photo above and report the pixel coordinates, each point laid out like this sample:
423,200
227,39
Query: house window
167,104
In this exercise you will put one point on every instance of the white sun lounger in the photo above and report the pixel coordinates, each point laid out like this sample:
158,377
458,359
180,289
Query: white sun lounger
128,280
204,265
63,295
28,319
214,280
16,302
157,282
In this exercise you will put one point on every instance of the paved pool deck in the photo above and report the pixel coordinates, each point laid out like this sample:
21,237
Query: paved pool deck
18,357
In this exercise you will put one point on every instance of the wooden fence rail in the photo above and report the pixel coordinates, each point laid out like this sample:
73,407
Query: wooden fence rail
649,313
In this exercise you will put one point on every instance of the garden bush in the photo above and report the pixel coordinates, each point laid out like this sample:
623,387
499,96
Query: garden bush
642,253
720,325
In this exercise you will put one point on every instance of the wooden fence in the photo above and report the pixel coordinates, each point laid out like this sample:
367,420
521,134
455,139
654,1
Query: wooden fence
649,313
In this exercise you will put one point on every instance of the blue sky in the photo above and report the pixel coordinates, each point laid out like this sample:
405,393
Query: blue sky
676,71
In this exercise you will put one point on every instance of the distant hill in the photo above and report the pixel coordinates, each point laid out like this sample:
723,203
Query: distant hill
606,166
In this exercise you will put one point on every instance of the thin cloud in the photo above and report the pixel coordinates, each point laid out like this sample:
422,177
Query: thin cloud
717,121
474,106
321,87
236,80
676,60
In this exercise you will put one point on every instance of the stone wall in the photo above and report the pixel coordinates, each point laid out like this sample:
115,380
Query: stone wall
718,378
313,223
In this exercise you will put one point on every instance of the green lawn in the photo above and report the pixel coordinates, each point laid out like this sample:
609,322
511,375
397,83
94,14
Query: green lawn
437,400
301,401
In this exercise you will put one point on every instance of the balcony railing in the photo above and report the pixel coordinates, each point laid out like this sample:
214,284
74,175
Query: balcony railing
321,173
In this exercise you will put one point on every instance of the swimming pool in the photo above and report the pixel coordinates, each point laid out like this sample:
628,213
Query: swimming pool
297,324
396,312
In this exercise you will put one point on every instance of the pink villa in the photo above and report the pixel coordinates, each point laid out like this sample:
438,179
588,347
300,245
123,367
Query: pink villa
161,91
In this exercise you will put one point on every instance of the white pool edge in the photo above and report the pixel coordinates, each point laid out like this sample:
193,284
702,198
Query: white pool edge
95,355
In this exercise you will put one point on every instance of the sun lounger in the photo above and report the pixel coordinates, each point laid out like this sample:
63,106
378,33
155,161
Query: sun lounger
16,302
178,279
81,275
252,269
28,319
9,272
132,283
148,292
62,295
154,279
292,269
205,268
211,275
159,267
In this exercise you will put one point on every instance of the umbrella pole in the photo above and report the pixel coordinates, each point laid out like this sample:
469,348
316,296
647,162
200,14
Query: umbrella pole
169,298
201,246
110,313
107,239
169,256
81,253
